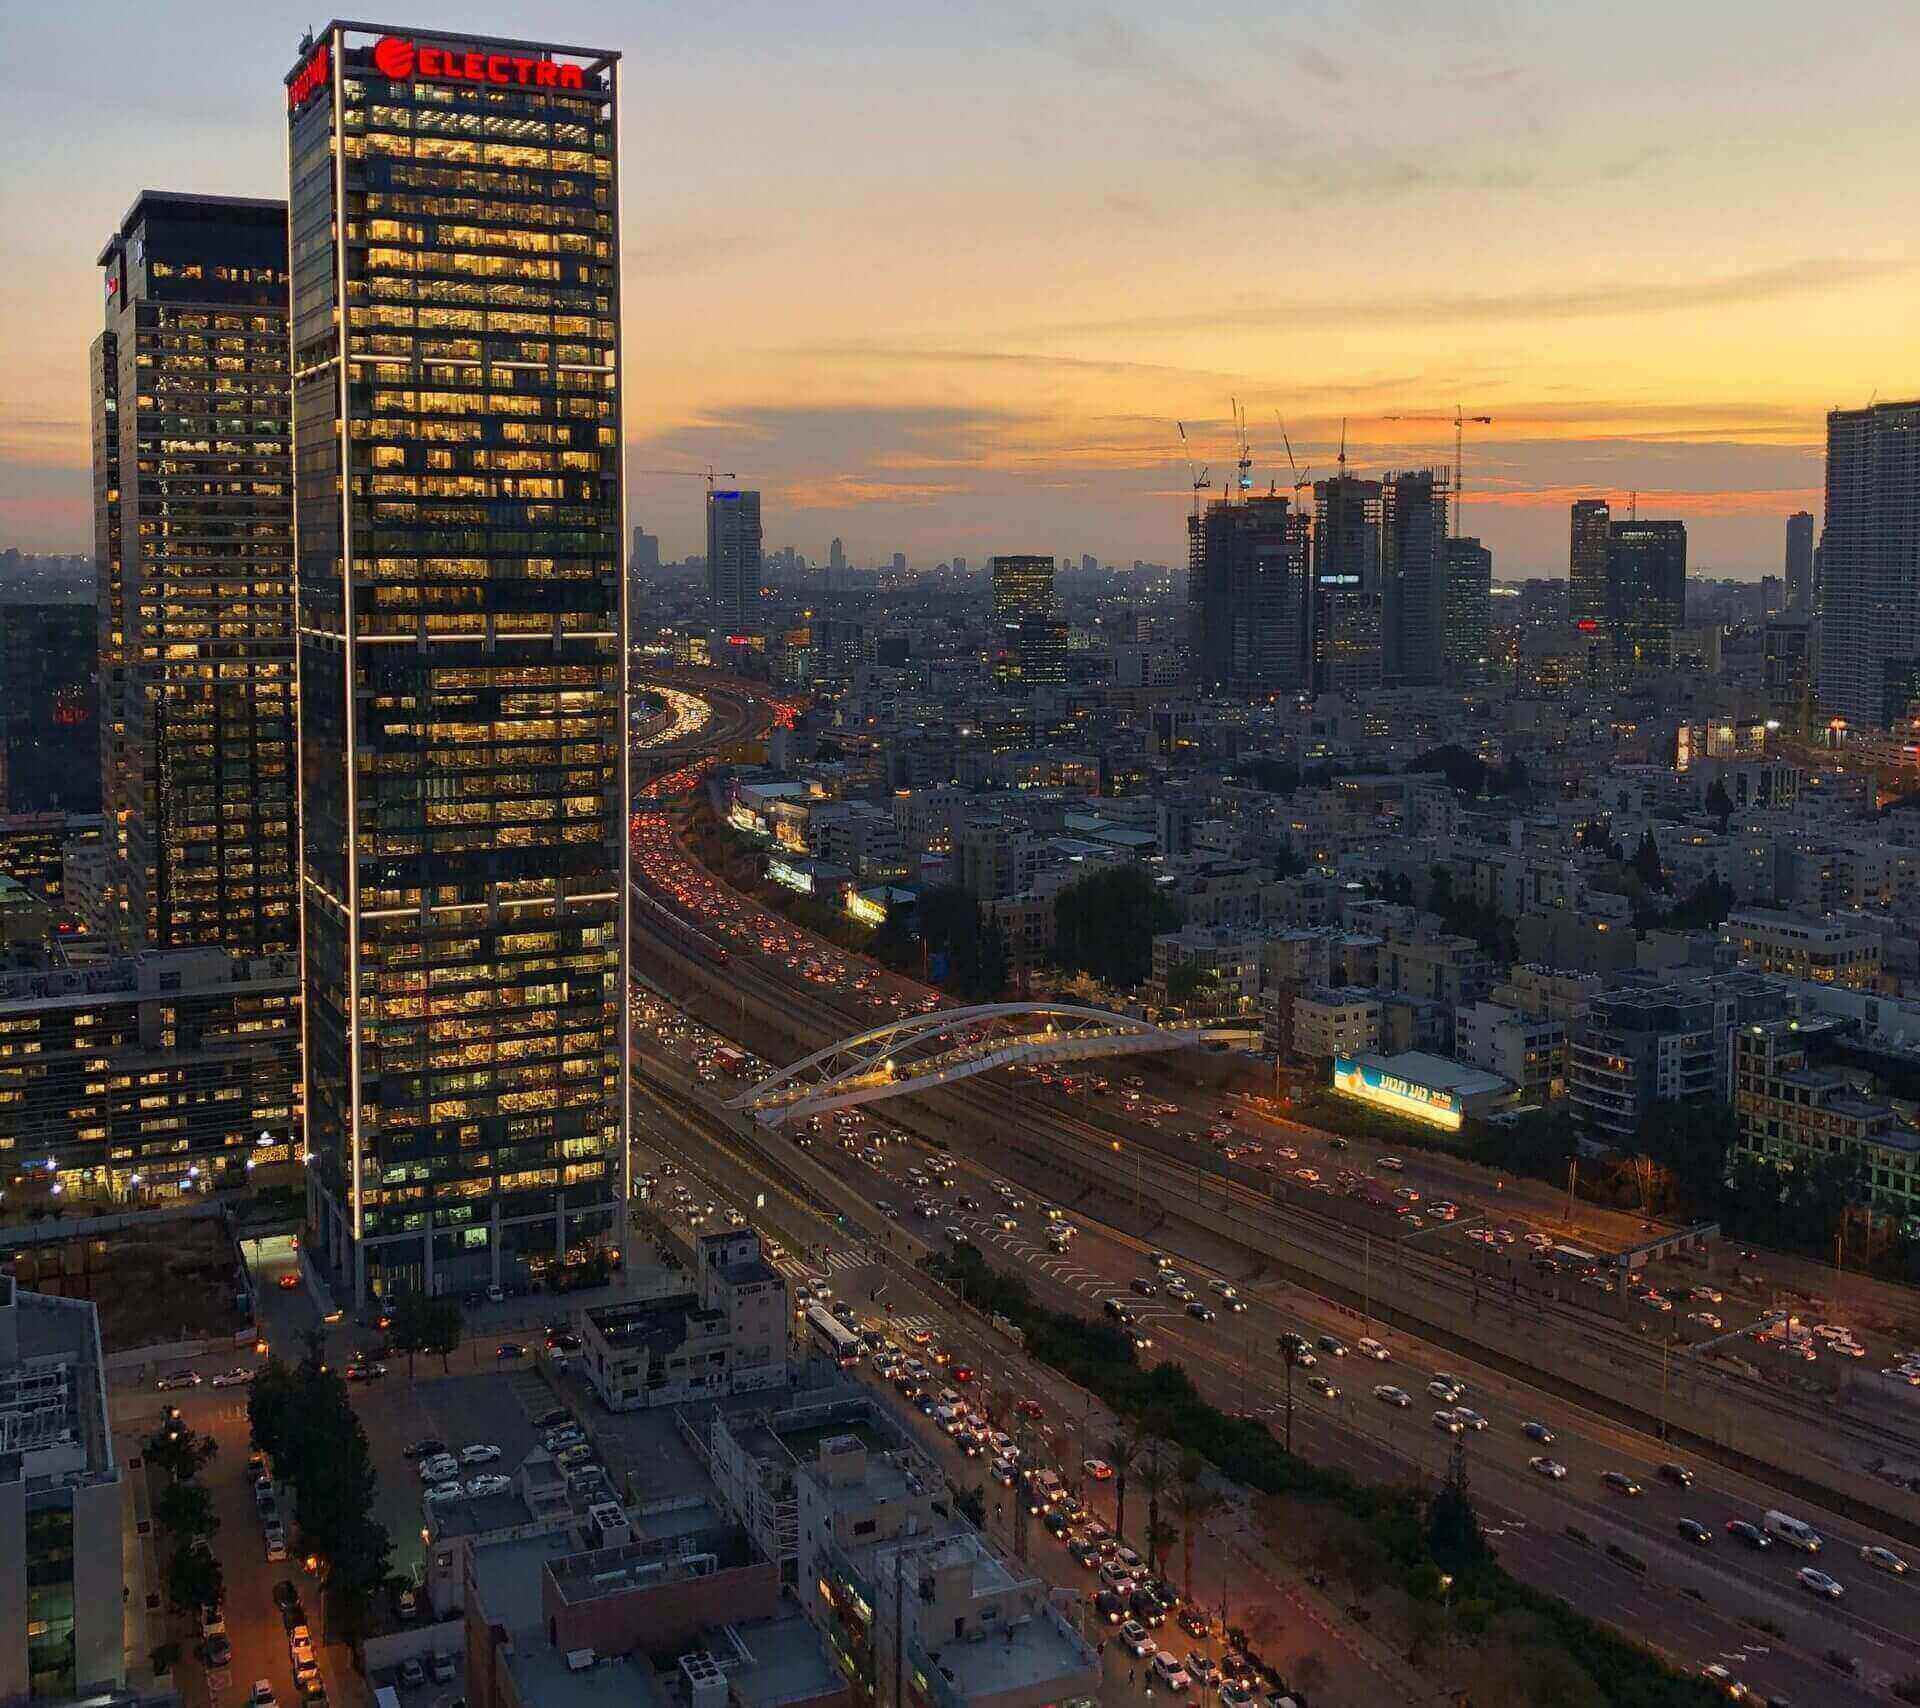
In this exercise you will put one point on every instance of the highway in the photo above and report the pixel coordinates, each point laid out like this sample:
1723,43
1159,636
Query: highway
769,967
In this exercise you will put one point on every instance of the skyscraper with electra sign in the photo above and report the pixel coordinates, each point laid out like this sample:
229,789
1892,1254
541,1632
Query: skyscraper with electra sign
459,535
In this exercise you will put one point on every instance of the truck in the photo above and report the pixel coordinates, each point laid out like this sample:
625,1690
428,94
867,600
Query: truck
1795,1532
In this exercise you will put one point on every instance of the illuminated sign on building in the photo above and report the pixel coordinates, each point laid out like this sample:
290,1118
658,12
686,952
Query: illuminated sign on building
865,909
400,59
310,78
1371,1084
783,872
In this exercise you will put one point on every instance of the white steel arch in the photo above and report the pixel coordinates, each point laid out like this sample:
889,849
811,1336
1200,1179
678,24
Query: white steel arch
924,1050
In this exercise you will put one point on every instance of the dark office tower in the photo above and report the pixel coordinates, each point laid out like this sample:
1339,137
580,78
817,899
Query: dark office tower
1344,618
1869,586
456,313
205,789
1030,642
733,556
1587,565
1413,563
1467,617
1800,561
110,717
1022,587
1247,596
49,743
1646,594
645,556
837,555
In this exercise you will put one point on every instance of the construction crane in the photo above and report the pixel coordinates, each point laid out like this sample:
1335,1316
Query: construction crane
1245,464
1299,479
707,474
1199,481
1460,424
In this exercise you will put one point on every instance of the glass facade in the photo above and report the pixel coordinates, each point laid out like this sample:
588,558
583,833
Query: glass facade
194,518
50,1644
459,517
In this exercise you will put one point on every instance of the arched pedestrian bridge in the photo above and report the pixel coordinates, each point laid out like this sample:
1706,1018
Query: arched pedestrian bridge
927,1050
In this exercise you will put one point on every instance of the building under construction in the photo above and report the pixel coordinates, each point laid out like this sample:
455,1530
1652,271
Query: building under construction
1247,595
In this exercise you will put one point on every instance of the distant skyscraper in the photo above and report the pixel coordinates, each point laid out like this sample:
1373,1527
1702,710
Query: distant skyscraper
645,557
1413,565
1030,641
1022,587
1800,561
463,686
1646,593
1587,564
959,564
1247,596
733,555
203,796
1467,617
1345,615
1088,563
837,555
1870,562
49,710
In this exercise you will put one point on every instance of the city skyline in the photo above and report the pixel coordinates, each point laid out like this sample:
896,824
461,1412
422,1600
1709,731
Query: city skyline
1015,367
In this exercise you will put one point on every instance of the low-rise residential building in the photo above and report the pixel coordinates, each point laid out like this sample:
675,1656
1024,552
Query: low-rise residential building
1792,1110
1434,964
1335,1021
1826,950
1547,993
1530,1052
1231,956
727,1334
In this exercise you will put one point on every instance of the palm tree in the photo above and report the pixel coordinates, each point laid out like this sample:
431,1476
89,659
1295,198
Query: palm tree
1156,1477
1289,1356
1196,1503
1121,1450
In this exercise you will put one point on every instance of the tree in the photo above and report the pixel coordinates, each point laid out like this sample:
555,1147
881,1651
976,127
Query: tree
194,1579
1106,923
973,950
446,1323
1188,980
1197,1501
1647,866
181,1453
1720,803
185,1511
1157,1478
408,1331
971,1504
1121,1450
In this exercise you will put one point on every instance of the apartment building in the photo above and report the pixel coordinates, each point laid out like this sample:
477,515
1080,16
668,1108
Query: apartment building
1824,950
1436,965
1530,1052
1333,1022
1231,956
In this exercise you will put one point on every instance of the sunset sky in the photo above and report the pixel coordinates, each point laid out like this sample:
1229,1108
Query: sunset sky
942,279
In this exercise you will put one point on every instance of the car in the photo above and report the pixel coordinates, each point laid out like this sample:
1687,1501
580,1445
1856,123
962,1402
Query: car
1202,1313
238,1377
1388,1394
1032,1408
509,1349
179,1379
1712,1295
1196,1624
479,1453
1620,1482
300,1653
1235,1695
1111,1606
565,1435
213,1622
1321,1386
1136,1639
1678,1475
491,1483
1085,1554
571,1458
1147,1607
437,1469
1547,1467
217,1651
1751,1534
288,1282
1333,1345
298,1633
1098,1469
1884,1559
261,1696
276,1546
286,1597
1169,1671
1724,1682
1535,1431
427,1447
1819,1583
1443,1389
1695,1532
439,1494
1392,1164
1144,1287
1303,1354
1447,1421
1371,1348
412,1673
1468,1418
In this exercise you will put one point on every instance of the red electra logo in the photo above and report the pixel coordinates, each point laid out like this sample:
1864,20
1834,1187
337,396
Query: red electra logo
310,78
400,59
1586,625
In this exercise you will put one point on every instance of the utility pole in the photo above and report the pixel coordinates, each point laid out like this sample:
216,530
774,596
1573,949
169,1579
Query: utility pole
1573,1174
1366,1283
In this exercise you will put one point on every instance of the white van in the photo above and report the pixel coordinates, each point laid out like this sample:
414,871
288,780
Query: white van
1796,1533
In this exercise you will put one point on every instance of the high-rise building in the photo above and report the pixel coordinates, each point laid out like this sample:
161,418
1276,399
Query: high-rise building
1022,587
1247,596
1467,614
456,337
103,384
644,559
1088,563
1413,574
733,556
1030,641
206,792
1799,566
1345,617
1646,593
49,739
837,554
1870,562
1587,565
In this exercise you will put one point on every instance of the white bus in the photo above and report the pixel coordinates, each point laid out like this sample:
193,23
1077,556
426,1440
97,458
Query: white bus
833,1337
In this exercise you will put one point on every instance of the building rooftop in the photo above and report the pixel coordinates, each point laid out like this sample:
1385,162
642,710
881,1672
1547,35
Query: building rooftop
655,1560
785,1659
1440,1073
658,1324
